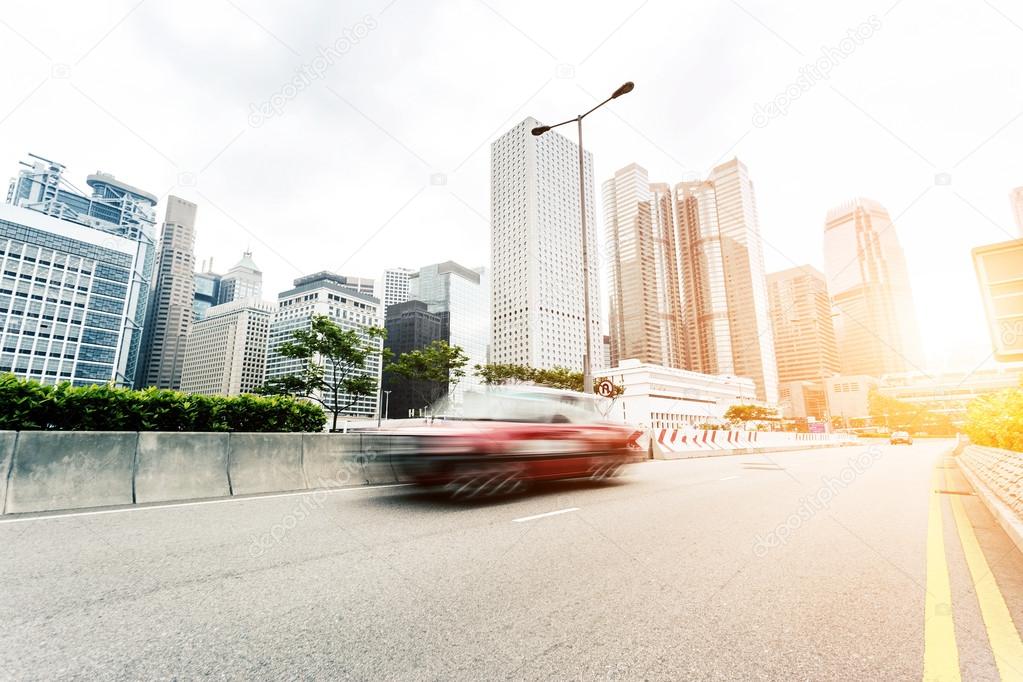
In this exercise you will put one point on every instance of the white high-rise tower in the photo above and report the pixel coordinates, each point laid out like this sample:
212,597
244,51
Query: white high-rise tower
536,251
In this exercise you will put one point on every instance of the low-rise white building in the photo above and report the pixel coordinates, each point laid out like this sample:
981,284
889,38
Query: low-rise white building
225,353
848,398
665,398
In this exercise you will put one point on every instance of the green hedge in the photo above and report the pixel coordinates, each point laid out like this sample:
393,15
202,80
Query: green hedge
29,405
996,420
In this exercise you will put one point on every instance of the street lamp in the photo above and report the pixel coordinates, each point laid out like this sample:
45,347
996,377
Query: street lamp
540,130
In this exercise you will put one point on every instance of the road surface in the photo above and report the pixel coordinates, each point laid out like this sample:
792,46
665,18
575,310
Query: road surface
799,565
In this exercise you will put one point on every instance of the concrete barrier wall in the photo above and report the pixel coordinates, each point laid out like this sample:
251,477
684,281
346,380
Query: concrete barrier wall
51,471
70,470
60,470
265,463
682,443
332,460
181,466
7,441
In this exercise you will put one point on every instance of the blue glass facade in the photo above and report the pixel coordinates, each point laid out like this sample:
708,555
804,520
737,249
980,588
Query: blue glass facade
75,277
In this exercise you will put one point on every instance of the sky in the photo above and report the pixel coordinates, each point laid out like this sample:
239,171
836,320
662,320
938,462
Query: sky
355,136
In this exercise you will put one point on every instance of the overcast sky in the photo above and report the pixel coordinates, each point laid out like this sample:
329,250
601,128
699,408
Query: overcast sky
380,157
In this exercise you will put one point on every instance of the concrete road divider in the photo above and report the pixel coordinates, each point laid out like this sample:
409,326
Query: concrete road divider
181,466
376,458
265,463
332,460
71,469
7,441
398,447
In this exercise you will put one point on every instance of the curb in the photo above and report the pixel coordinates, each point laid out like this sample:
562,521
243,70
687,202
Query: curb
1005,517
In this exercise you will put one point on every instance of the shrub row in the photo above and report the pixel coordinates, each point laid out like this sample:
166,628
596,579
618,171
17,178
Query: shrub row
996,420
29,405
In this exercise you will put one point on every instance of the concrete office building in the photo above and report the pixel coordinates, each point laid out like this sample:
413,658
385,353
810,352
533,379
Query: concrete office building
537,297
225,353
462,297
645,304
75,276
410,326
727,316
325,293
875,328
170,304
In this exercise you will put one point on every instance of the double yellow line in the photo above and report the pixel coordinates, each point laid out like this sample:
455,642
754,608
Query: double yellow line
941,653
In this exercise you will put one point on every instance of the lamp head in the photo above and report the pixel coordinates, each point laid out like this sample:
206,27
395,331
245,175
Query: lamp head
540,130
624,90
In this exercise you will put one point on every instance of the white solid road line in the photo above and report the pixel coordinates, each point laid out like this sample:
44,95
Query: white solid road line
540,516
727,478
248,498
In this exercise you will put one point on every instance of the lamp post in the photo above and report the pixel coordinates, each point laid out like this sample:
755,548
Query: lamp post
538,131
387,404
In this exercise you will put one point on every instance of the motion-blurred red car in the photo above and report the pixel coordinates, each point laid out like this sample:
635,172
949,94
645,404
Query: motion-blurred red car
498,440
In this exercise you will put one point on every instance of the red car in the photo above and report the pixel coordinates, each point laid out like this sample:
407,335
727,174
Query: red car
497,441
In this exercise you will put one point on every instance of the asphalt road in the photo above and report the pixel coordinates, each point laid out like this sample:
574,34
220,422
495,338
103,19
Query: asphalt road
805,565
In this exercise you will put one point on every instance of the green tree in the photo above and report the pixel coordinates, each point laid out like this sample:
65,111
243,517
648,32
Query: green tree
333,363
498,374
996,420
431,371
738,414
555,377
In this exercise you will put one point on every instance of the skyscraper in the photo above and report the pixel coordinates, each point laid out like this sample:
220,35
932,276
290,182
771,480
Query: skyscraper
646,307
876,327
75,278
727,317
804,334
171,301
243,281
393,286
1016,199
536,251
804,340
225,353
324,293
462,298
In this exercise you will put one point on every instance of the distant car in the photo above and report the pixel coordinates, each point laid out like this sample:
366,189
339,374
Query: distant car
496,441
901,437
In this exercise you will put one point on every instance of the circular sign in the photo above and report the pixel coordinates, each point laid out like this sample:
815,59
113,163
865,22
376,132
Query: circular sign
606,388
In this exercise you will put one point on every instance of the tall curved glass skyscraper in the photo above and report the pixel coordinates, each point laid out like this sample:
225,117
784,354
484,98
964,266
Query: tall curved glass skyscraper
875,326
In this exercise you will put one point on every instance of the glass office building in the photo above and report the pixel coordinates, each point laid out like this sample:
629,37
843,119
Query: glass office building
464,296
74,277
